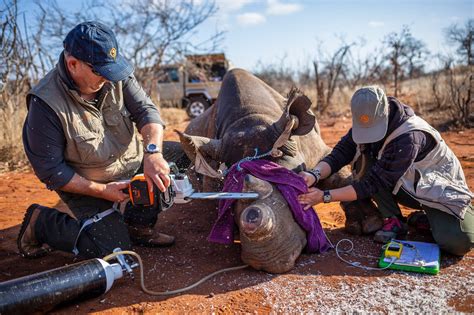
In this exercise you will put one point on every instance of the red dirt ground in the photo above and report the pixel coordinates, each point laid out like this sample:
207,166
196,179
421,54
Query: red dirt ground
319,283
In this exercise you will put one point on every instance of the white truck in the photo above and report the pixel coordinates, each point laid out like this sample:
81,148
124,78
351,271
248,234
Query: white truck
195,84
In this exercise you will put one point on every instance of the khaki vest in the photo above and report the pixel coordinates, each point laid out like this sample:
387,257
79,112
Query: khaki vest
441,182
102,143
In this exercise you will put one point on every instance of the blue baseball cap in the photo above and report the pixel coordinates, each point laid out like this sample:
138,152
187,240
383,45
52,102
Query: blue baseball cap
95,43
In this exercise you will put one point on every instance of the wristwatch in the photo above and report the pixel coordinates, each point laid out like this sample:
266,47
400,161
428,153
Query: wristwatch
326,196
152,148
316,173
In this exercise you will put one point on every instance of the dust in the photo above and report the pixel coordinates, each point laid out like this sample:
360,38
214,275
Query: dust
320,283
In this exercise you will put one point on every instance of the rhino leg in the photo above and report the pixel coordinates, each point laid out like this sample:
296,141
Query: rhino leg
362,217
372,218
354,218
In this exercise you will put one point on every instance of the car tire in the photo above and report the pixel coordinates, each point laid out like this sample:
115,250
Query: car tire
197,106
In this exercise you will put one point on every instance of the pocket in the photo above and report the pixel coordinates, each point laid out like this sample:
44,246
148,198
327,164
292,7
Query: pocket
119,122
87,144
112,118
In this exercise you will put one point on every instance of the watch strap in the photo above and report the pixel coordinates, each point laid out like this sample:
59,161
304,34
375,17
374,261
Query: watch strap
327,196
316,174
152,148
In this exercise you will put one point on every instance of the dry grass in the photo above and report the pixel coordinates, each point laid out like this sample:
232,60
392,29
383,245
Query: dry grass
173,116
12,116
416,93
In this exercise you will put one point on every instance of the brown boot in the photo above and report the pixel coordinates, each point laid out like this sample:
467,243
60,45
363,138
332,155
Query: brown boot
147,237
27,244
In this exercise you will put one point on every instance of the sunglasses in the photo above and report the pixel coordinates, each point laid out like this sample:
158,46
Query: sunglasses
92,69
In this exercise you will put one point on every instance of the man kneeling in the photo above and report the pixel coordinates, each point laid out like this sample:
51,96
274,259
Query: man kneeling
81,140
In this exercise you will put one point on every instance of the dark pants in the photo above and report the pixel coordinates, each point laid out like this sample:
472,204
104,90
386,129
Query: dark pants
453,235
60,231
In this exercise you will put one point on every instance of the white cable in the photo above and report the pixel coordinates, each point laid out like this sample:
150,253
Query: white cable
142,277
349,251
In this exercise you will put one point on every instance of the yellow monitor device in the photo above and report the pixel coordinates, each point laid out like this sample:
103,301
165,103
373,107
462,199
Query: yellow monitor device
394,249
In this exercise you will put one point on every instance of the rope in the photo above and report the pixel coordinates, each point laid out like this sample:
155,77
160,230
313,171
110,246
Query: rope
251,158
142,277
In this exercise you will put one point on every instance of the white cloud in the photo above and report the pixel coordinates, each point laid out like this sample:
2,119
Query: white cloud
376,24
232,5
250,18
274,7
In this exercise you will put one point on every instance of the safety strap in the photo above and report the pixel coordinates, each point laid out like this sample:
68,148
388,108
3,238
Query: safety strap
99,216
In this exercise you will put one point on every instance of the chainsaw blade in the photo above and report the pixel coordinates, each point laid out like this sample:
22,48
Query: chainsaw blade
223,195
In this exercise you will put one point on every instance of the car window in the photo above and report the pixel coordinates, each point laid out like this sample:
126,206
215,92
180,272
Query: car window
168,75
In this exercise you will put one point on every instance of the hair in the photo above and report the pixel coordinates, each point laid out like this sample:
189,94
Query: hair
67,54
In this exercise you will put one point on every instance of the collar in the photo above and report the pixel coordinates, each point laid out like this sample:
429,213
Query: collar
64,73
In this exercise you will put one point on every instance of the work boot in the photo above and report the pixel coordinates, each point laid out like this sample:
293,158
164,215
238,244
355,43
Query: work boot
27,243
392,228
147,237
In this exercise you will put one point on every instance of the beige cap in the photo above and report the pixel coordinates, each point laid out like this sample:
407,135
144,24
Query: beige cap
369,107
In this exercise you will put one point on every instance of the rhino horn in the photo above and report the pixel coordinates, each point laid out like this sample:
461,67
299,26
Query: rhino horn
297,109
206,146
252,183
257,221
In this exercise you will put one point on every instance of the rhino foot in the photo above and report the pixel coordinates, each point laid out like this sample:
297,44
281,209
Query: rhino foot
353,228
354,218
372,224
362,217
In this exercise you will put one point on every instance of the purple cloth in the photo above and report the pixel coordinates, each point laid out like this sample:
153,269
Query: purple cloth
290,186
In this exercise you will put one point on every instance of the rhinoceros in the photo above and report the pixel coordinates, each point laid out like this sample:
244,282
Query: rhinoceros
250,115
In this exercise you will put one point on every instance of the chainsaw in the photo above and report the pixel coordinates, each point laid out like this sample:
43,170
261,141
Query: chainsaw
180,191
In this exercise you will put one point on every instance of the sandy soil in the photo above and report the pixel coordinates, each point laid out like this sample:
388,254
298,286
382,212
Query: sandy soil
318,283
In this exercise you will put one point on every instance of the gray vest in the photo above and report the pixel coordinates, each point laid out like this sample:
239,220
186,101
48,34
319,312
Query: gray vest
102,143
441,182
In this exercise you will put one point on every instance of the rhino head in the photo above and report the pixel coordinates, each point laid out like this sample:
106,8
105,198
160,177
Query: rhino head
271,239
249,114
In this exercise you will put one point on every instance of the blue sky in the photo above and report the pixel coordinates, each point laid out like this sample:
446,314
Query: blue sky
270,31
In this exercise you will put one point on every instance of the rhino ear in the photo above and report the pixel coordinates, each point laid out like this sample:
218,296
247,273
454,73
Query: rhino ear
207,147
252,183
299,105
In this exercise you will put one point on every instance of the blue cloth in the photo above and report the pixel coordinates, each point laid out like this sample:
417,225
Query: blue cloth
288,183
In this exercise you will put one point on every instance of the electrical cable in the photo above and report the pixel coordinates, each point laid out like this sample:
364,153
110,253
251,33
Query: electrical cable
356,263
349,251
164,293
